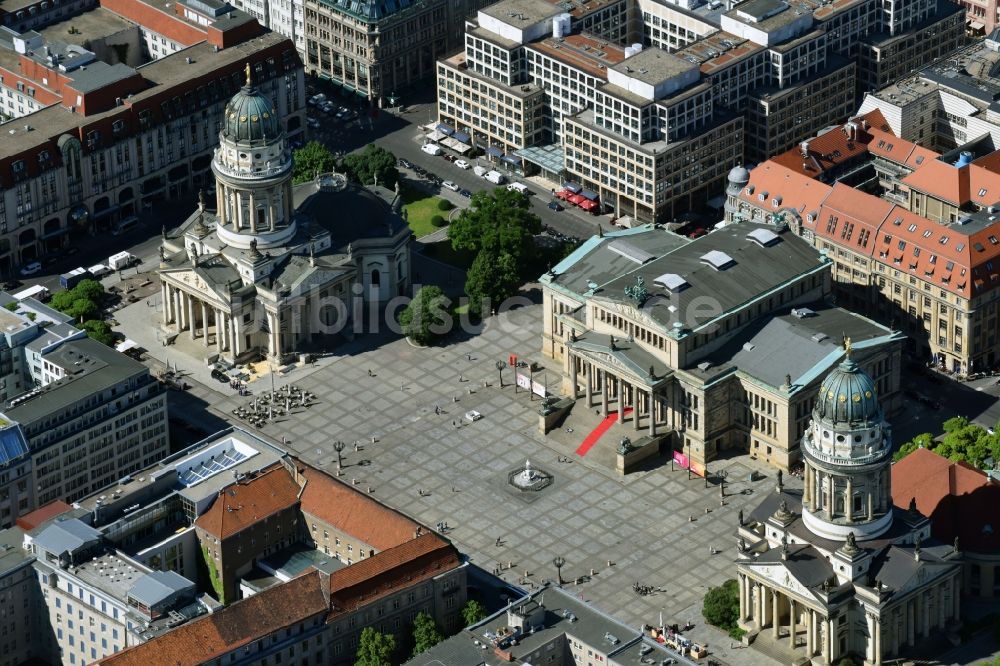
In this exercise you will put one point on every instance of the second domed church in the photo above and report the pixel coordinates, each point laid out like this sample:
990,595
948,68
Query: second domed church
836,570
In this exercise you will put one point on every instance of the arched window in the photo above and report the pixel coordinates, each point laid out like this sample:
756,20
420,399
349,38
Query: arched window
376,278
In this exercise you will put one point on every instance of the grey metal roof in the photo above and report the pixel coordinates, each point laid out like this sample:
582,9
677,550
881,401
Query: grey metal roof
756,271
773,347
99,75
66,536
156,587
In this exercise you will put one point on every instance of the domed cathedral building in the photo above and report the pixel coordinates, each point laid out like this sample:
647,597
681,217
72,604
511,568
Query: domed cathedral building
836,570
276,266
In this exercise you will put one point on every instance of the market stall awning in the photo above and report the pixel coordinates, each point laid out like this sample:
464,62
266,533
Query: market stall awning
447,129
512,159
576,198
572,187
125,346
563,194
589,194
587,204
460,136
976,25
436,136
494,152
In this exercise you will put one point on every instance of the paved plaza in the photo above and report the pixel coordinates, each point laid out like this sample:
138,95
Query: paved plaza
441,467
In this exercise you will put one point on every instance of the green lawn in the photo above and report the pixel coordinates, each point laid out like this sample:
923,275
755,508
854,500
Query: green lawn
420,208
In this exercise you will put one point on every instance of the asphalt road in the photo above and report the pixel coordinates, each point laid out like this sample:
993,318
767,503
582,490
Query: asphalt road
400,135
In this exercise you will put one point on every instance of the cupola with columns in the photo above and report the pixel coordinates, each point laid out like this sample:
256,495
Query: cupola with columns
847,453
253,173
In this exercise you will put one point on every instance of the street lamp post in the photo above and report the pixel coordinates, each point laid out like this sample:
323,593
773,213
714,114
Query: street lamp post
338,446
500,365
558,562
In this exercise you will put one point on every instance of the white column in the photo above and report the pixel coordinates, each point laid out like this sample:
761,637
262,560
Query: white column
743,597
870,648
759,605
774,614
652,414
252,208
824,626
204,321
604,392
831,639
849,501
236,336
191,319
878,641
272,211
810,632
829,498
589,391
620,394
220,203
791,623
218,329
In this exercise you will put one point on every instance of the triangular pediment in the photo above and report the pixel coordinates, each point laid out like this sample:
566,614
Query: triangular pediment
781,577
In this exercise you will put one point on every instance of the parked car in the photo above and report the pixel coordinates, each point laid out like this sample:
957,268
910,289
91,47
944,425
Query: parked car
406,164
462,164
555,205
448,157
473,415
451,186
697,233
431,149
31,268
313,123
466,193
219,375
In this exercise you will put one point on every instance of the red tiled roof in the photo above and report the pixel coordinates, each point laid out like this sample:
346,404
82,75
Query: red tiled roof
353,512
960,500
242,504
30,521
957,264
827,150
795,190
956,185
891,147
402,566
851,218
226,630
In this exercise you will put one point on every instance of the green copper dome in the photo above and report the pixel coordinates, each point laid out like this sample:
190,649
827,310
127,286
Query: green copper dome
848,396
250,116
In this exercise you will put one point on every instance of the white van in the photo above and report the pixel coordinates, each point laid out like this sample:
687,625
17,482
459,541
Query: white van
480,171
495,177
519,187
431,148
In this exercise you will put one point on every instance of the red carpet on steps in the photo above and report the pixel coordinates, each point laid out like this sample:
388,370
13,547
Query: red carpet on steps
596,433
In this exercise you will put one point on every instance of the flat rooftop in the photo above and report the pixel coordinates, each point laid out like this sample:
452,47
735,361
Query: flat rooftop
583,52
91,368
160,75
111,574
91,25
522,13
718,51
653,65
12,553
767,15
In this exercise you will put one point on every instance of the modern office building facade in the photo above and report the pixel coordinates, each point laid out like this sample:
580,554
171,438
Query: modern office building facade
653,126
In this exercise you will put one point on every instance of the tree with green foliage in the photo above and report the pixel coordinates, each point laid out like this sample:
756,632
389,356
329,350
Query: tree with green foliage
444,204
955,423
426,317
81,302
721,607
213,575
492,278
425,633
375,648
374,161
99,330
924,440
12,306
472,612
438,221
497,221
312,159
